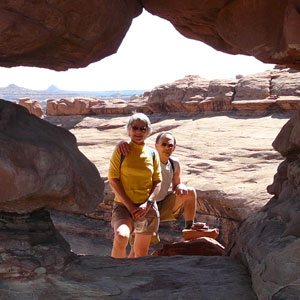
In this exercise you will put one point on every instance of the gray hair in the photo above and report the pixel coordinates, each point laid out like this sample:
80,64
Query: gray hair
141,117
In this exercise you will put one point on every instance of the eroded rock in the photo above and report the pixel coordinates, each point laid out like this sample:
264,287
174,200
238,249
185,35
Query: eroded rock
33,106
268,241
31,246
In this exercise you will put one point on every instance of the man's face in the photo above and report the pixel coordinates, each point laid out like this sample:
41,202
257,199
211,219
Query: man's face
165,146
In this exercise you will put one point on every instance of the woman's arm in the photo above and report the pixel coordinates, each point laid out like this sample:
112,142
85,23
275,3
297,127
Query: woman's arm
119,191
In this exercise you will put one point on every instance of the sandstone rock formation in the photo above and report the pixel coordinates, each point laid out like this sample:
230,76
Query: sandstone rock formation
274,90
71,106
33,106
41,166
268,241
62,35
59,35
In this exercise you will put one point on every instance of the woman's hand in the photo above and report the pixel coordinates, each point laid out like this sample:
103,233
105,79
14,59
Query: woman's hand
141,211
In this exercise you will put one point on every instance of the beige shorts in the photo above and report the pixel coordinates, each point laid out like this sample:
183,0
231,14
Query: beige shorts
165,208
147,225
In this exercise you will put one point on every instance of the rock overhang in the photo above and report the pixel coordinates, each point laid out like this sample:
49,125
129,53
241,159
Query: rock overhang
70,34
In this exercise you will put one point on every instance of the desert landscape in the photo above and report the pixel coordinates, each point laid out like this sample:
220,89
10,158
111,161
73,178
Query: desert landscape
238,141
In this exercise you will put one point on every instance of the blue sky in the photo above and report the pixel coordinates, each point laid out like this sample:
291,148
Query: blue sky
152,53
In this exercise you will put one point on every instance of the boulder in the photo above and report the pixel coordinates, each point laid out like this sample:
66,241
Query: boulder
285,83
33,106
251,87
203,246
42,167
181,95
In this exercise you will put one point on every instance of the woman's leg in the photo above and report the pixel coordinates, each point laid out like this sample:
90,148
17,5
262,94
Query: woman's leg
141,244
122,229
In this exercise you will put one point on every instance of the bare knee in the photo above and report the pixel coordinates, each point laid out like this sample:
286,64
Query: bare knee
121,238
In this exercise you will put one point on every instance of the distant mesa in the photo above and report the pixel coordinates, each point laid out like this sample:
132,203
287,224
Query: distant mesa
13,92
53,88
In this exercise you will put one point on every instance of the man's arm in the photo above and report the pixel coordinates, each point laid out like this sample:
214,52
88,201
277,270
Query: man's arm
124,147
179,187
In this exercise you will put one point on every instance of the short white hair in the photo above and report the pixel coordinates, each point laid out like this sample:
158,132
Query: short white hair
141,117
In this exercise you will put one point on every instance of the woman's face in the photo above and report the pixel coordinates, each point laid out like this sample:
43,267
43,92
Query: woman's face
138,132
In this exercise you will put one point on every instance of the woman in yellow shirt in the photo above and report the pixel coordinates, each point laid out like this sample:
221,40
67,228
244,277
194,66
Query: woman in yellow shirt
135,180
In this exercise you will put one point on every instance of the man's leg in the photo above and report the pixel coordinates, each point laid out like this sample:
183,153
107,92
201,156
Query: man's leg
141,244
122,229
189,203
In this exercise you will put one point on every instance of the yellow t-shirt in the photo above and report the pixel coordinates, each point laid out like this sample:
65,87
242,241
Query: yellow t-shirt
137,171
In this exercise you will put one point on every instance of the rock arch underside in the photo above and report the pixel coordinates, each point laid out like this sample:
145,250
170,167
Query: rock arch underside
42,169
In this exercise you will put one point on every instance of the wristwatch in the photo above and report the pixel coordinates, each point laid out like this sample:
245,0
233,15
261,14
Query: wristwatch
150,202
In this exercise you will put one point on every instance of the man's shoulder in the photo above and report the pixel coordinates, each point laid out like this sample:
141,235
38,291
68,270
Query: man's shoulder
174,158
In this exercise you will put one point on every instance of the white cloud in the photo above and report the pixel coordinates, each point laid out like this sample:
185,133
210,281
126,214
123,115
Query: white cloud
152,53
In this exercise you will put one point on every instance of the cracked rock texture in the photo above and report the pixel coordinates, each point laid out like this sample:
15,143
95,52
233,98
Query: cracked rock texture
218,278
268,241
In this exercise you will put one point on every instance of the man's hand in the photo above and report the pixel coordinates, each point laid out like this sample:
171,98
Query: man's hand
181,190
124,147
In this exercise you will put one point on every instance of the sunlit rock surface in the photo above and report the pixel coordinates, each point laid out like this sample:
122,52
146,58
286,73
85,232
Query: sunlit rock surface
33,106
268,242
42,167
273,90
228,158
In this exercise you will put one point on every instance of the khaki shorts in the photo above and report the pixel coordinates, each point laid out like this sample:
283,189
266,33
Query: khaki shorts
147,225
165,208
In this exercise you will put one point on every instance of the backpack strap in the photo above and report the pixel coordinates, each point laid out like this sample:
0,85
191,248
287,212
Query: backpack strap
122,158
150,151
172,164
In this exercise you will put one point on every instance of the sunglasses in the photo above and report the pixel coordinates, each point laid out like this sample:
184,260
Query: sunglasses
169,145
142,129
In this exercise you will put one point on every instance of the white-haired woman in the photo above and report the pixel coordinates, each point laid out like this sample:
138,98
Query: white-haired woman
135,180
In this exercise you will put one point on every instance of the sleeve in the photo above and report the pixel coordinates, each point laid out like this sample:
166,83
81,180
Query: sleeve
156,166
114,166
